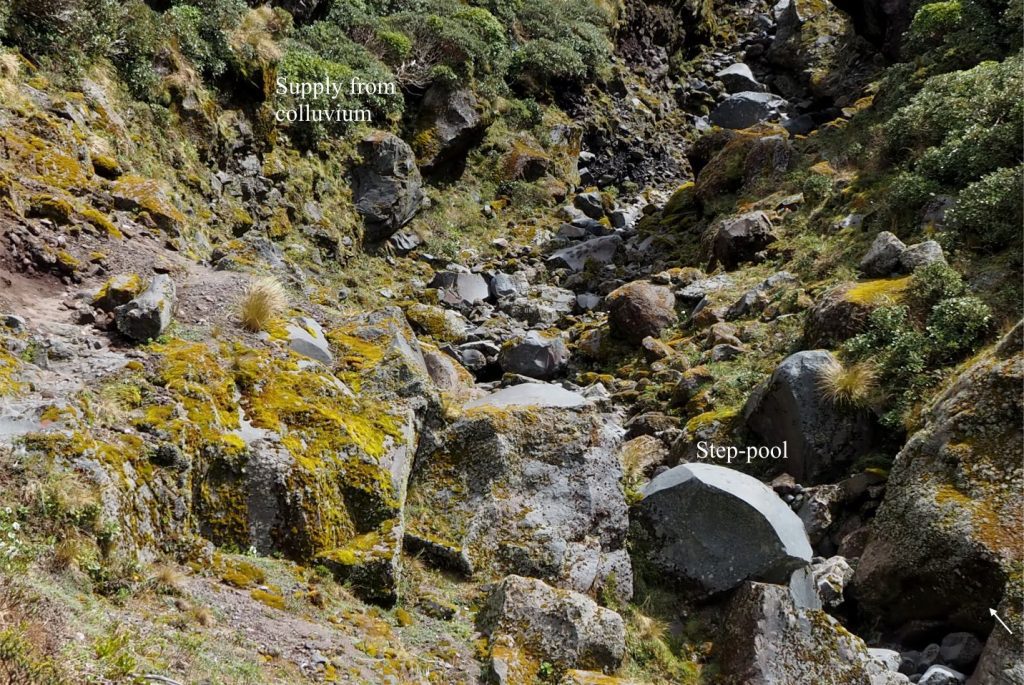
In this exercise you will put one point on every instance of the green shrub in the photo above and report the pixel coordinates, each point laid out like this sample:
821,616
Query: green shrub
909,192
980,108
134,54
956,326
907,360
71,32
990,212
898,352
301,63
932,283
959,128
202,28
532,44
566,44
467,41
958,33
542,63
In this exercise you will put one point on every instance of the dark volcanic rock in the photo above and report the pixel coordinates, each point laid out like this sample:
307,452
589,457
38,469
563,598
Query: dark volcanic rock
823,438
148,315
743,110
386,187
640,309
883,257
707,528
459,288
597,250
535,355
450,124
738,238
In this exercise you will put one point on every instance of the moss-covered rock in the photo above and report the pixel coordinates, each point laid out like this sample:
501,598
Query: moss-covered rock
947,537
843,311
118,290
524,489
138,194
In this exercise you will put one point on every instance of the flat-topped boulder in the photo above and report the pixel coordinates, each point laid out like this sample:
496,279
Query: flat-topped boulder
706,528
599,251
530,395
527,481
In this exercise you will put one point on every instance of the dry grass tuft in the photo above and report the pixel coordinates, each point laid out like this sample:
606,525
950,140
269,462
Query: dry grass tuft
202,616
852,386
255,38
65,555
264,301
167,580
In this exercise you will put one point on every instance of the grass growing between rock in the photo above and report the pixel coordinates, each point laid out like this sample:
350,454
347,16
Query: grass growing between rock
263,303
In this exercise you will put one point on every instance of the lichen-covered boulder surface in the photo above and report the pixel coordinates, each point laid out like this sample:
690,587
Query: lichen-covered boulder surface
531,343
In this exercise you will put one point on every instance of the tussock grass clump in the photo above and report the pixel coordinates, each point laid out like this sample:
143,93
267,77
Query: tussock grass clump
263,302
852,386
166,580
202,616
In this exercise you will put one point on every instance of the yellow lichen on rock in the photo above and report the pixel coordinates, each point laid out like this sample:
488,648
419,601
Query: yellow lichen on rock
878,292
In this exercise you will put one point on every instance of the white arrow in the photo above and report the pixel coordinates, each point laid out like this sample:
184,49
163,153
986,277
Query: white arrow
996,617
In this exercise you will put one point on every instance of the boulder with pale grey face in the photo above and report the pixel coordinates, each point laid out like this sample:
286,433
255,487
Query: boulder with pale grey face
705,529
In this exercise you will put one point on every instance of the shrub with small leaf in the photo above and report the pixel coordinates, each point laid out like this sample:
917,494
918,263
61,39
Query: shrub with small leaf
932,283
12,539
990,212
956,326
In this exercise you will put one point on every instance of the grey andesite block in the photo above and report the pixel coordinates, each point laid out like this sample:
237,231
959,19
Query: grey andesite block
147,316
531,394
710,528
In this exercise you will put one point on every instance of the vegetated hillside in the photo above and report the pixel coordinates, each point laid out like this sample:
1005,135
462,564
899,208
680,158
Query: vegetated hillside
429,399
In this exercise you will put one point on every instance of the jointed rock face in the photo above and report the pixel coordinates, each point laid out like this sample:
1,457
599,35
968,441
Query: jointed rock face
529,343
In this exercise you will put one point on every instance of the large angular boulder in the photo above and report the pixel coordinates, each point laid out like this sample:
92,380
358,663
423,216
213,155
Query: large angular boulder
458,288
386,186
449,124
527,481
946,539
738,239
535,355
149,314
597,251
883,257
738,78
315,472
823,438
746,109
771,639
640,309
528,622
705,529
